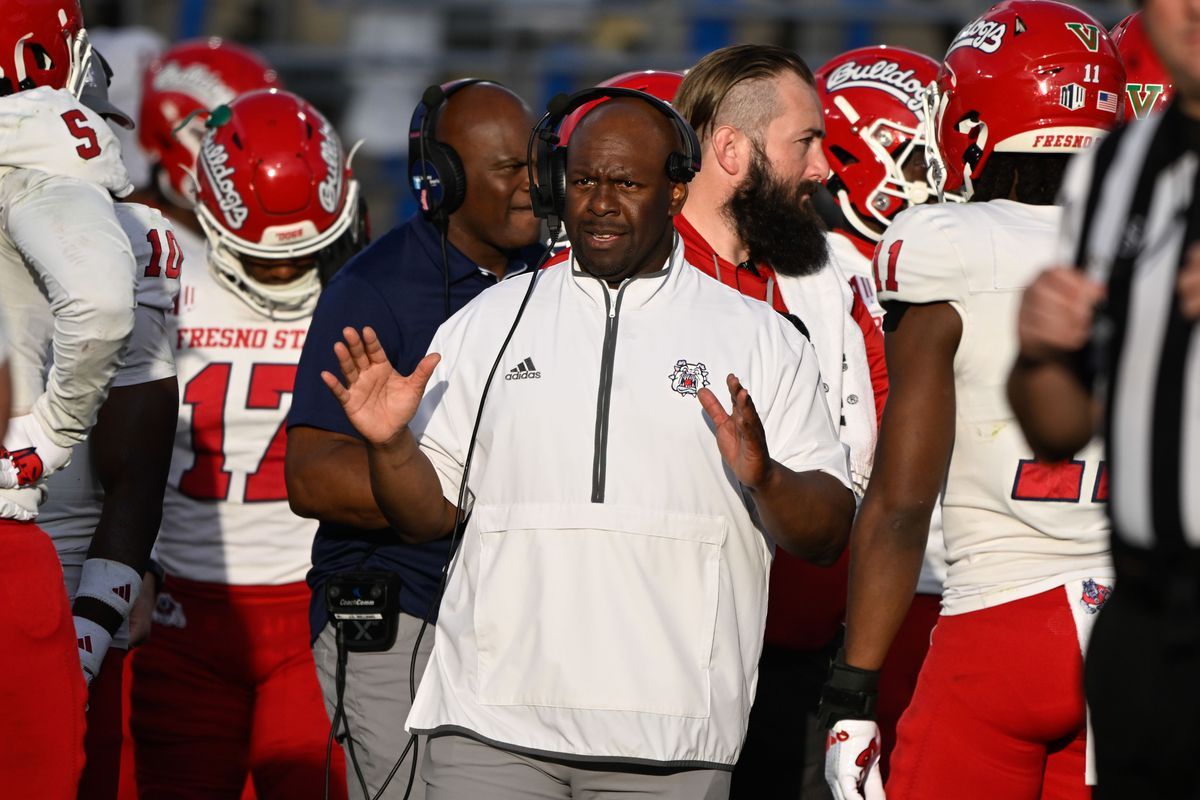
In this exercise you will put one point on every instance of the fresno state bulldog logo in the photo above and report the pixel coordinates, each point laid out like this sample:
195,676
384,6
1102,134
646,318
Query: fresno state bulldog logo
1094,596
168,611
688,378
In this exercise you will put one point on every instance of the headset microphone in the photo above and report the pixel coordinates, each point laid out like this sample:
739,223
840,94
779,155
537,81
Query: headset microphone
558,104
433,96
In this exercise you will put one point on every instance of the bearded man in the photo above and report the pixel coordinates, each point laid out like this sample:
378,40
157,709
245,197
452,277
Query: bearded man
750,222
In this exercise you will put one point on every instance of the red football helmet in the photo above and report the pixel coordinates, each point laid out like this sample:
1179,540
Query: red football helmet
1029,76
872,102
658,83
1148,85
193,76
273,182
45,44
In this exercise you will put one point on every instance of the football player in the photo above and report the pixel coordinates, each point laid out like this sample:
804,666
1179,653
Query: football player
1000,699
875,145
999,702
68,298
181,86
226,686
874,142
103,510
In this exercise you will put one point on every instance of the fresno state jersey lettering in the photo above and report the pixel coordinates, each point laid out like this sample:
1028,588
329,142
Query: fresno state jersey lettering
225,517
51,131
1013,526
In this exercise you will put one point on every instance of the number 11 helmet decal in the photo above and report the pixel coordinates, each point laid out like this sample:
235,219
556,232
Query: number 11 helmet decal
274,183
1029,76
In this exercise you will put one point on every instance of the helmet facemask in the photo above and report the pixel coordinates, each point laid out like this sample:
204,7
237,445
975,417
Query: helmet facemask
285,301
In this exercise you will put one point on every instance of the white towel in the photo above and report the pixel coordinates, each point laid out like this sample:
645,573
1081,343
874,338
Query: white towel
822,302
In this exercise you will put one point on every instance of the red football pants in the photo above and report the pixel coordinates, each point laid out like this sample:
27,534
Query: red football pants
232,692
42,694
999,710
898,677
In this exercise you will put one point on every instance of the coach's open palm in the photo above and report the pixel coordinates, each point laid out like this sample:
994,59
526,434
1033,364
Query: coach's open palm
378,400
740,435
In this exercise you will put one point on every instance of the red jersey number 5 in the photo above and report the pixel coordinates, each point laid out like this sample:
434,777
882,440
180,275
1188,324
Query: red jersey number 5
77,124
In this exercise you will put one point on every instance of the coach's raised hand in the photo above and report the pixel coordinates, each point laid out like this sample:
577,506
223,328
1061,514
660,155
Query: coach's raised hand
378,400
380,403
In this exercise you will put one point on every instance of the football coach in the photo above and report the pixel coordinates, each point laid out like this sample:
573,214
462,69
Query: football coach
602,622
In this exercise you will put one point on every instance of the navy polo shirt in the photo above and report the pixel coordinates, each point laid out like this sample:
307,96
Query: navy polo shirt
396,286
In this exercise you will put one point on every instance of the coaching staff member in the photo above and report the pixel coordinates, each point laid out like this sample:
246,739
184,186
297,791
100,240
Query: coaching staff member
398,286
1116,340
602,624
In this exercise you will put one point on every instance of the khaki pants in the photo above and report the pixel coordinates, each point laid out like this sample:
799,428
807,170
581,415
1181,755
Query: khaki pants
377,705
460,768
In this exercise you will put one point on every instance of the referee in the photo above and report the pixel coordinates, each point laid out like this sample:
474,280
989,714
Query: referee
1111,347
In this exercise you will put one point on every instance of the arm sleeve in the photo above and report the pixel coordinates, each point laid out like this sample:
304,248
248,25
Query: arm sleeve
70,238
800,434
349,301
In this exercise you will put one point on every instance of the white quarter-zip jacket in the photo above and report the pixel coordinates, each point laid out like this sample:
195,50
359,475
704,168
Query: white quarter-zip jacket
608,599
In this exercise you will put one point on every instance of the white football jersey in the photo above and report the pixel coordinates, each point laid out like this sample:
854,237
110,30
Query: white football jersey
1014,527
226,518
67,272
51,131
75,497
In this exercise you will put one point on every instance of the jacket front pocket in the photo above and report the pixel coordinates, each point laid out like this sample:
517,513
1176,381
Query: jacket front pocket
591,606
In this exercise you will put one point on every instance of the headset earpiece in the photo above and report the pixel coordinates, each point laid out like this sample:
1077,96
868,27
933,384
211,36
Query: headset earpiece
680,168
435,170
548,168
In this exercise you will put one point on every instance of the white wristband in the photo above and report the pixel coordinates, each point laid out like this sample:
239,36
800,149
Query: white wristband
111,582
92,641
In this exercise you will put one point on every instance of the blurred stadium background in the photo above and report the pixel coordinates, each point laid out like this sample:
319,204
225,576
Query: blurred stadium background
365,62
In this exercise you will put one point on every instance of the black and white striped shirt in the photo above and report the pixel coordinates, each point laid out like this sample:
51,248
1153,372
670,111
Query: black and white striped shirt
1131,211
